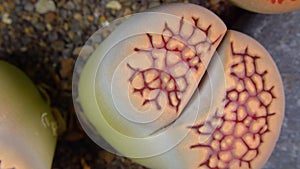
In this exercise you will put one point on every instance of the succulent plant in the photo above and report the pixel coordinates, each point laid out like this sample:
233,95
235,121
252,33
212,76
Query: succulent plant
27,128
173,88
268,6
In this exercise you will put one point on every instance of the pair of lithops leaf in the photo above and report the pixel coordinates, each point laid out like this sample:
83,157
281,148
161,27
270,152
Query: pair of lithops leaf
27,128
173,88
268,6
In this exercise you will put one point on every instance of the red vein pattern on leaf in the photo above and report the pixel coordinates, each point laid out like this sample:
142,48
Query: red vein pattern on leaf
172,43
238,135
279,1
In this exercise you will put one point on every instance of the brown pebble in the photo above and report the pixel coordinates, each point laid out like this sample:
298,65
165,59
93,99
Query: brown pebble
66,67
71,35
76,51
28,30
90,18
77,16
106,156
58,45
127,11
84,164
66,26
102,19
50,17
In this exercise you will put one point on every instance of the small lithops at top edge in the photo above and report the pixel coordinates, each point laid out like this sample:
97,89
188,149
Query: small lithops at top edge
268,6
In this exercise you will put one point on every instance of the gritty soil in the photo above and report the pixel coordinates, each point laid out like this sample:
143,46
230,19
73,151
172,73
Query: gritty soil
44,38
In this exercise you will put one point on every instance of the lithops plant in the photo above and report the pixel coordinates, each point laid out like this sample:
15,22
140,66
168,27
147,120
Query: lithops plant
27,128
173,88
268,6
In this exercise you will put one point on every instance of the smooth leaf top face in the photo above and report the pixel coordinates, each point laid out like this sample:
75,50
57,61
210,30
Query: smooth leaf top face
248,125
155,70
268,6
172,88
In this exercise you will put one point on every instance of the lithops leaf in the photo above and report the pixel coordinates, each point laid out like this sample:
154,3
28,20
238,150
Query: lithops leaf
148,72
163,95
268,6
242,125
27,128
249,125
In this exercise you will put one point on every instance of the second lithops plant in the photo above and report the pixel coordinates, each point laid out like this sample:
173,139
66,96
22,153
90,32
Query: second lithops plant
173,88
268,6
28,131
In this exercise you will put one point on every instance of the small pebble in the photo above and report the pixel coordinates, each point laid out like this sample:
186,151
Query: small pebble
23,49
49,27
66,67
113,5
6,19
77,16
90,18
28,30
44,6
52,36
69,5
66,26
108,157
97,12
58,45
50,17
40,26
71,35
103,21
29,7
76,51
127,12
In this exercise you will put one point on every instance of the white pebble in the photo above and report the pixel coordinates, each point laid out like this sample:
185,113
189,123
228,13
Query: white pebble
6,19
44,6
114,5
